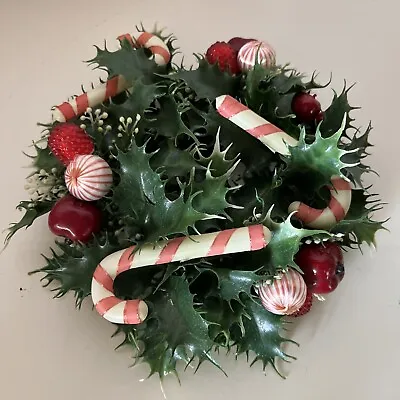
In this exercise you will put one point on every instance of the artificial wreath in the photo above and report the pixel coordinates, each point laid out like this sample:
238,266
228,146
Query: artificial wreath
201,208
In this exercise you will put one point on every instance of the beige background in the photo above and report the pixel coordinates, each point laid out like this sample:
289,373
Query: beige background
349,345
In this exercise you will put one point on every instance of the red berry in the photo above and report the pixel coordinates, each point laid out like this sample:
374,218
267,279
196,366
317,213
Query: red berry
322,265
74,219
237,43
223,54
306,307
306,107
68,140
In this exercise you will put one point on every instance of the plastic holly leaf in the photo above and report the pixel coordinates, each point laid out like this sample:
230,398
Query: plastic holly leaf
358,145
323,156
286,241
132,63
232,283
358,226
213,191
44,159
174,331
333,115
141,196
33,210
208,81
168,120
262,336
217,160
173,161
73,267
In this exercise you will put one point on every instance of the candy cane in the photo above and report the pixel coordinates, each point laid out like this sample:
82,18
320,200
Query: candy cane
115,310
278,141
113,86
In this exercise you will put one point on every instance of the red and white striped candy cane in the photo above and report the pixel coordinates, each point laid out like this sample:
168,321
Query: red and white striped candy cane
116,85
115,310
278,141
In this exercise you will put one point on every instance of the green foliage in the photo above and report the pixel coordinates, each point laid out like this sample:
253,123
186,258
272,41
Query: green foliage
73,267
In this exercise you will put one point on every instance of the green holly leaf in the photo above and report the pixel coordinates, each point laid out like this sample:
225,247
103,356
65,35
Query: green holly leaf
44,159
359,225
173,161
168,120
73,267
333,115
262,336
208,81
141,197
232,283
33,210
285,242
174,331
323,156
133,64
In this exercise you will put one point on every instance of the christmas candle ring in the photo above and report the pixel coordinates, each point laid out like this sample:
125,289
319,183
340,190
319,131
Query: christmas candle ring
278,141
115,310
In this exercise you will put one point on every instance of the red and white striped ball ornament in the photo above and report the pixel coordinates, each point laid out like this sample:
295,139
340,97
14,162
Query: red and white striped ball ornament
88,177
284,296
256,52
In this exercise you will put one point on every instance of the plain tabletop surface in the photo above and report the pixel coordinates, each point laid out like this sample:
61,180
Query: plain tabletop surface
349,345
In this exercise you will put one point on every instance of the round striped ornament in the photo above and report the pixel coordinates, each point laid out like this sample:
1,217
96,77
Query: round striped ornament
88,177
256,52
285,295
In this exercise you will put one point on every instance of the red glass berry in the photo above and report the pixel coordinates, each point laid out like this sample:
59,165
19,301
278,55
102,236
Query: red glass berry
306,107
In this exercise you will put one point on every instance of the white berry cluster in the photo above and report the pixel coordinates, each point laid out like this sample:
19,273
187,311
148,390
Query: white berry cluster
127,126
45,186
96,119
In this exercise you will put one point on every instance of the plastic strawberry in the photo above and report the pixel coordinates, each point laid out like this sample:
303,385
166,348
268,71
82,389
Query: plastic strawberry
306,307
68,140
225,55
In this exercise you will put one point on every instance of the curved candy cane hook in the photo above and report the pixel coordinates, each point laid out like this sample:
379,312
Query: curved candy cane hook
277,140
113,309
116,85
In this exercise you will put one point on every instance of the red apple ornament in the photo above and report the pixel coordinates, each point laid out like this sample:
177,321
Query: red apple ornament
74,219
237,43
322,265
307,108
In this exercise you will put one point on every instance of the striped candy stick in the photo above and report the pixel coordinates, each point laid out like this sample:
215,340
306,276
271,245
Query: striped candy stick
184,248
116,85
278,141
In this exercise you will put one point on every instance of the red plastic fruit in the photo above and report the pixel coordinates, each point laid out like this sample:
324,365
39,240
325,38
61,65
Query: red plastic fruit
223,54
306,307
68,140
306,107
322,265
74,219
237,43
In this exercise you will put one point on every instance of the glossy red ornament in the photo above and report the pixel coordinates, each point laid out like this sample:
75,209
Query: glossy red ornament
322,265
237,43
74,219
307,108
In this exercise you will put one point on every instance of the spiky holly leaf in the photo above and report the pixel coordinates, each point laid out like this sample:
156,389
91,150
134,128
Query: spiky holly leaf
323,156
173,161
232,283
358,225
207,80
217,161
140,196
213,191
262,336
358,145
44,159
333,115
168,120
32,211
285,242
224,317
174,331
132,63
73,267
